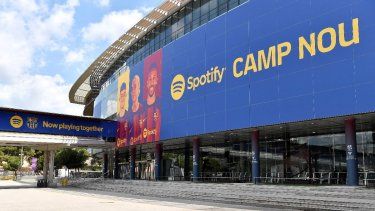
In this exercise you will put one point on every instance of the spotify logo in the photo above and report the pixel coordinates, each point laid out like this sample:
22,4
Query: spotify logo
178,87
16,121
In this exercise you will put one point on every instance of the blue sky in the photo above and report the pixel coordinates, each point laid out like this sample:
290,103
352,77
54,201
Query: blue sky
45,46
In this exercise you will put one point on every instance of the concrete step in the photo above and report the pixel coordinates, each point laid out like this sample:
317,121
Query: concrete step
306,197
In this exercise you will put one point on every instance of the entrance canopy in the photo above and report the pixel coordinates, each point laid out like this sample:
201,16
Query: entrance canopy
39,129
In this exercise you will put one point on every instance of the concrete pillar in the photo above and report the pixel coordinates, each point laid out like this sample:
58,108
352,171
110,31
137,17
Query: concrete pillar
133,153
187,160
110,163
255,167
196,159
105,164
117,166
45,165
51,169
158,161
351,153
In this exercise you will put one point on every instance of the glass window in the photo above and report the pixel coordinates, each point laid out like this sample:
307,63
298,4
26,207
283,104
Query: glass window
196,14
213,9
205,9
232,4
222,6
188,22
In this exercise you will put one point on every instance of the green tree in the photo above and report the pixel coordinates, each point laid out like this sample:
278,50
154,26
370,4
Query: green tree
71,158
10,156
12,163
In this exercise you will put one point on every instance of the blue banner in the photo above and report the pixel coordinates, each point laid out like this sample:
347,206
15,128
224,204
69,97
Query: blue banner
262,63
44,123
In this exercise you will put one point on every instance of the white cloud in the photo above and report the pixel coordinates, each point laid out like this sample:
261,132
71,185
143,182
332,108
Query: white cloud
103,3
112,26
75,56
39,92
27,28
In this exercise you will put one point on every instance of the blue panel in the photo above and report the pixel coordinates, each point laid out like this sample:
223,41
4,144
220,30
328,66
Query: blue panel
292,63
240,51
43,123
238,97
237,17
238,36
264,91
195,126
297,108
262,26
264,114
167,130
294,12
197,54
337,102
367,41
365,98
215,45
261,8
334,76
196,107
179,111
365,68
215,102
215,122
216,27
180,128
319,7
238,118
332,20
296,84
364,10
338,82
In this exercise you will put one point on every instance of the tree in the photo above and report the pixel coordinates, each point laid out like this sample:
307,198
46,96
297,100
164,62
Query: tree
71,158
10,156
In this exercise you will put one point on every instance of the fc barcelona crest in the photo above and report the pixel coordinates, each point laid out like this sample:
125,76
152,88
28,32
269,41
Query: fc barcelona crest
32,122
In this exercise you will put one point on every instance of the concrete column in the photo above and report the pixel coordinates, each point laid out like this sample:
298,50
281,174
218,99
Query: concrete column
255,167
196,159
110,163
51,173
45,165
117,166
351,153
133,153
158,160
187,160
105,164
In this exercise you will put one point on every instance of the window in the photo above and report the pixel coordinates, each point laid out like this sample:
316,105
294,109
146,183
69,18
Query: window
193,15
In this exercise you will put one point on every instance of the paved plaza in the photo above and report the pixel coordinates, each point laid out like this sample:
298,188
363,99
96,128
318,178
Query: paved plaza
65,199
244,194
99,194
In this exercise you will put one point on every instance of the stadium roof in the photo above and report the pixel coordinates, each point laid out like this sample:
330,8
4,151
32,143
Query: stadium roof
86,88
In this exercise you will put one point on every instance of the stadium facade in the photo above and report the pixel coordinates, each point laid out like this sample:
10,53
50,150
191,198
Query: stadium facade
235,90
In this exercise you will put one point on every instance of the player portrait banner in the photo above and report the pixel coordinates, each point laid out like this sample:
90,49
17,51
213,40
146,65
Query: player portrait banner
139,102
123,127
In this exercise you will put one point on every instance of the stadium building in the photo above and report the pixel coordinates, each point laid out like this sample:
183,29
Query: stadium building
240,91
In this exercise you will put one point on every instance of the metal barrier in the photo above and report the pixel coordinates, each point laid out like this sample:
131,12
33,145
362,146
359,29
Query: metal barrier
222,177
318,178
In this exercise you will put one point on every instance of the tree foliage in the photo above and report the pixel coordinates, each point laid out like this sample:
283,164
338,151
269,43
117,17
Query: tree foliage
71,158
10,157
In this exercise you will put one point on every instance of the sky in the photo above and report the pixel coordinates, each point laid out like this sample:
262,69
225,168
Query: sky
45,45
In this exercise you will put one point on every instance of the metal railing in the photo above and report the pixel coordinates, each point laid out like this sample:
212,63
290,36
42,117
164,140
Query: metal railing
221,177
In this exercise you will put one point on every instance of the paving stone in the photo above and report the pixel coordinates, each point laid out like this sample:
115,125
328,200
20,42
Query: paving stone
283,196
